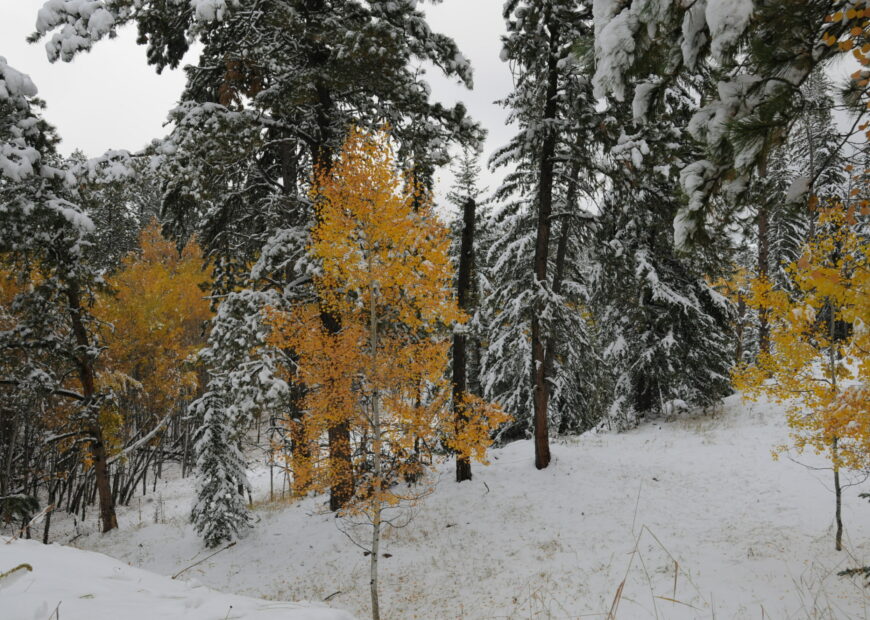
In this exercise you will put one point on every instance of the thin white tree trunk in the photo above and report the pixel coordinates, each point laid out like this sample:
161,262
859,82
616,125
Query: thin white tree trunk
376,457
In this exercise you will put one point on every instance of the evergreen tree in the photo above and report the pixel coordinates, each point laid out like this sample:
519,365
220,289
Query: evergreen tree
664,328
275,89
798,174
466,348
219,512
44,244
752,57
539,356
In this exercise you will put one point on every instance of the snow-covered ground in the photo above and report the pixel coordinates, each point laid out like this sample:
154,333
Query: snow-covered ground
683,519
60,582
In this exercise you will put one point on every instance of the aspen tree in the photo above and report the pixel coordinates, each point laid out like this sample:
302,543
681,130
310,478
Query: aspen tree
385,273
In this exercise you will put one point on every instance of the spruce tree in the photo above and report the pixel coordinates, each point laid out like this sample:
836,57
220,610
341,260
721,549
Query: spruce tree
665,330
220,512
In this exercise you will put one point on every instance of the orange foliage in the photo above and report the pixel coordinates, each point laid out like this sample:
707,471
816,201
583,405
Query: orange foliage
154,323
386,276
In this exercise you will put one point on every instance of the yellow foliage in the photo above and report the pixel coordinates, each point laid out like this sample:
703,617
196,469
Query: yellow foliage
154,320
819,361
386,277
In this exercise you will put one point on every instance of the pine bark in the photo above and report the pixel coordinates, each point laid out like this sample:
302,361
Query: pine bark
460,363
763,273
541,392
85,368
341,491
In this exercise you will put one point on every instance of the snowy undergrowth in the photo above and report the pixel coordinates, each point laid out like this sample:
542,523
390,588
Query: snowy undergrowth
683,519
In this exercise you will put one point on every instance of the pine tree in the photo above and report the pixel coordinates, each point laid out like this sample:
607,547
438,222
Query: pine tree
44,240
797,175
465,195
220,512
258,115
752,59
539,354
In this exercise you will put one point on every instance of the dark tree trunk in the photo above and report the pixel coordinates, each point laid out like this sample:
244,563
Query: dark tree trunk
838,490
341,491
741,313
541,391
460,371
559,272
85,367
763,272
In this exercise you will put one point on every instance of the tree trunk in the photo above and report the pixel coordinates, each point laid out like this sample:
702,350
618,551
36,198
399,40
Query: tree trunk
763,273
341,491
85,367
741,313
377,473
541,391
838,491
460,372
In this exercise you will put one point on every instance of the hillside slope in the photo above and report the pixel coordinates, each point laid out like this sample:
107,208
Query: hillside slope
693,515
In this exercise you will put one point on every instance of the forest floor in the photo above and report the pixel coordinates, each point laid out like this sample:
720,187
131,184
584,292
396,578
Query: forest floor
690,518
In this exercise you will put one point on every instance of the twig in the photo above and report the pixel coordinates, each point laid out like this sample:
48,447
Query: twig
32,522
331,595
611,615
17,568
636,504
175,576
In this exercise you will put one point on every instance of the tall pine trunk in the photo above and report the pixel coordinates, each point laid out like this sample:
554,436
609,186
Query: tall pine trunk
85,368
340,452
763,273
541,389
460,371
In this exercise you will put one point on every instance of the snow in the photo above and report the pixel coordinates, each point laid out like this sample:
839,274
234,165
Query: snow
694,33
727,19
210,10
699,496
13,83
640,105
83,584
614,53
798,189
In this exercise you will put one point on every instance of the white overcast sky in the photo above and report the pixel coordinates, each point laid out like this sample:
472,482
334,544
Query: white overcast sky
110,98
